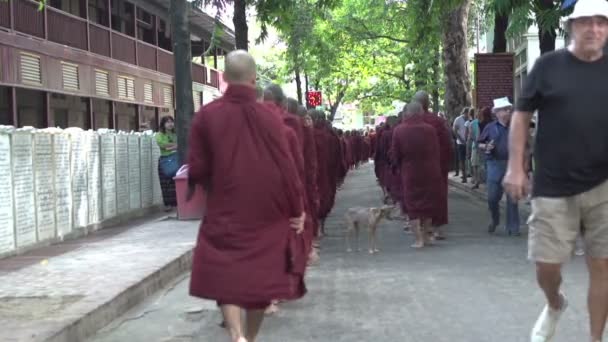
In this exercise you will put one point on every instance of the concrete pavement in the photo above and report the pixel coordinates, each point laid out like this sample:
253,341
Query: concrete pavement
473,287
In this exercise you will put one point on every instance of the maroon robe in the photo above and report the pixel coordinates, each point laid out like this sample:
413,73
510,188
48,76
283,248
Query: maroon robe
240,154
323,177
385,141
312,188
446,154
415,148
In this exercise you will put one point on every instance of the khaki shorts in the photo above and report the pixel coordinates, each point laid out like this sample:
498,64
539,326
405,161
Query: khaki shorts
556,223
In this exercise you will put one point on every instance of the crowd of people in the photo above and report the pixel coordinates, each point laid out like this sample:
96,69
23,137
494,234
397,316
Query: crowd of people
270,169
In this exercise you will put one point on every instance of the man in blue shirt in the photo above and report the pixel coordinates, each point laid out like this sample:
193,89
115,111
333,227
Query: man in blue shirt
494,140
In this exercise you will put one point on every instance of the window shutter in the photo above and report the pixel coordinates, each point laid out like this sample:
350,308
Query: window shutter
130,89
30,69
148,93
168,96
102,84
70,76
197,100
122,87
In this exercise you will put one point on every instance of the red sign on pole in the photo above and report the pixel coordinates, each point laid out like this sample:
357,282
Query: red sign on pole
313,99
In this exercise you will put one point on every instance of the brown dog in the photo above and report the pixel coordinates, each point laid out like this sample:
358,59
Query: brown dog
369,217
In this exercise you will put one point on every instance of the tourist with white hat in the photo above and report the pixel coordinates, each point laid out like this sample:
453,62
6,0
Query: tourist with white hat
494,140
568,88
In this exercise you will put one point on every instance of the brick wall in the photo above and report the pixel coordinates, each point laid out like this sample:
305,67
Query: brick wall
493,77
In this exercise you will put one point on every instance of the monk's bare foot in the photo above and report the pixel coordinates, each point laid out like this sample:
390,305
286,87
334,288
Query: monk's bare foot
418,244
349,250
313,258
439,236
272,309
371,251
376,250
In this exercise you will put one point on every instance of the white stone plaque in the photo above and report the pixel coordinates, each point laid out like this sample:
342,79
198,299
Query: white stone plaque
146,171
63,183
94,176
134,173
45,185
78,170
157,192
7,223
122,173
23,182
108,175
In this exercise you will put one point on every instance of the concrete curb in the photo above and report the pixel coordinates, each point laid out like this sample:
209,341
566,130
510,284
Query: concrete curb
483,197
88,324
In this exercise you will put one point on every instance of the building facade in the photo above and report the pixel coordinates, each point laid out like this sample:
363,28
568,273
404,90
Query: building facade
98,63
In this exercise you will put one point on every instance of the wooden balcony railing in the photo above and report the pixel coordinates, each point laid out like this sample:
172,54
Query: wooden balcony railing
5,18
123,48
199,73
100,39
67,29
28,19
146,55
166,62
214,81
70,30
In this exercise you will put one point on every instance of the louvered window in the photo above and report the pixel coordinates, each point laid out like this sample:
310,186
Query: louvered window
30,69
126,88
168,96
70,76
197,100
148,93
102,84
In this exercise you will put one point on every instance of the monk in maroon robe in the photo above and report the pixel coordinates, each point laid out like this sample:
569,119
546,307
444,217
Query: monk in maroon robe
239,153
446,154
415,148
386,171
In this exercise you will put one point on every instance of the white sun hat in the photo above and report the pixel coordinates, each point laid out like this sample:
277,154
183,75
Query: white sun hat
589,8
501,103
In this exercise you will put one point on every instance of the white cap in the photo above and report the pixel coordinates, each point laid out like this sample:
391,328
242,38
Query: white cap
501,103
589,8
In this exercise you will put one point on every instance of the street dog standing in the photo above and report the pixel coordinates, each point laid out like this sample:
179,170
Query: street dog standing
358,217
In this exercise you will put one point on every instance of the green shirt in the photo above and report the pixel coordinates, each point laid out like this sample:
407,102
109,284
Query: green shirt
164,139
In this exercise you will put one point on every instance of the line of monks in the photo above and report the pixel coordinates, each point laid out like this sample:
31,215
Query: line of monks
270,170
412,159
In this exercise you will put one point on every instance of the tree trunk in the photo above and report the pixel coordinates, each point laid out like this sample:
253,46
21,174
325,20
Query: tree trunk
335,105
306,82
298,83
436,77
241,30
546,37
184,103
456,60
501,23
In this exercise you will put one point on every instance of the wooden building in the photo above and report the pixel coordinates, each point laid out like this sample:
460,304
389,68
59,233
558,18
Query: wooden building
98,63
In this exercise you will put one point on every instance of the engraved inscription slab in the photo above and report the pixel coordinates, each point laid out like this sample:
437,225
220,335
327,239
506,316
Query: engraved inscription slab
63,183
122,173
134,173
94,176
146,171
157,193
23,181
45,186
108,175
78,170
7,222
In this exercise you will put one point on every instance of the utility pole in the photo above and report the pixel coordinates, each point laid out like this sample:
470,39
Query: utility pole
182,52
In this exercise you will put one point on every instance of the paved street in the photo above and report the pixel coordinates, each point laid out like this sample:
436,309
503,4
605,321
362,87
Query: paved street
471,288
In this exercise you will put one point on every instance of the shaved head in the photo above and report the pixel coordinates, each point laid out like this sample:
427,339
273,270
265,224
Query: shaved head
274,93
302,110
412,109
292,105
422,97
240,68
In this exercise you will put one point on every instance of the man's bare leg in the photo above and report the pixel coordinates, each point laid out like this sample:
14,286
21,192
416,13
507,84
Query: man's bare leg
418,233
254,322
597,299
232,317
549,278
427,231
